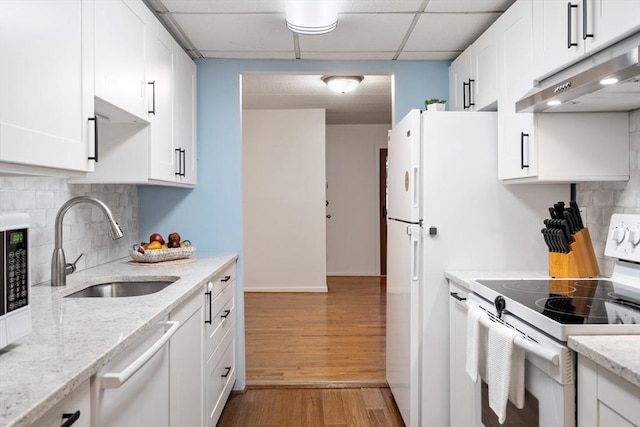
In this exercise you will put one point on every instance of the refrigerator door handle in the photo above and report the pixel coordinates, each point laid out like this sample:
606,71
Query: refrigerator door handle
415,258
416,190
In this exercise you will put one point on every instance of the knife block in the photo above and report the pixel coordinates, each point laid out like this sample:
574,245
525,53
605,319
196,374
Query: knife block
581,260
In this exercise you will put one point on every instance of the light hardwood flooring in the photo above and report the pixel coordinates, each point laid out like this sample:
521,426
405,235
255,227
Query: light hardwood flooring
322,339
316,359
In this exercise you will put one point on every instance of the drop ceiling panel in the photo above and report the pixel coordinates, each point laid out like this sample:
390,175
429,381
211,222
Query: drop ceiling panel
348,56
465,6
428,56
230,32
361,33
224,6
433,32
379,6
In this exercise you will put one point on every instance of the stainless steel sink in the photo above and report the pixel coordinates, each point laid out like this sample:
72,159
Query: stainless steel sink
123,288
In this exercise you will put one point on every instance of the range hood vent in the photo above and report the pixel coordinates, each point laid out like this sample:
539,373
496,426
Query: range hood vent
609,81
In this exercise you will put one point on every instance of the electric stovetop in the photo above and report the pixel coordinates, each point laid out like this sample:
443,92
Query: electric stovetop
562,307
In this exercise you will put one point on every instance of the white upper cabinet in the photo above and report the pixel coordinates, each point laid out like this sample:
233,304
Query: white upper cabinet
160,79
472,76
46,87
184,127
121,28
550,147
566,31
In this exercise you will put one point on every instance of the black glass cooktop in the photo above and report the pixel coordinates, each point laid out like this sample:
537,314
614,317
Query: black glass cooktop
573,301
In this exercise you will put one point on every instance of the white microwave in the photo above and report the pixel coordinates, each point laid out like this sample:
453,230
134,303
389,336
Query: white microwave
15,312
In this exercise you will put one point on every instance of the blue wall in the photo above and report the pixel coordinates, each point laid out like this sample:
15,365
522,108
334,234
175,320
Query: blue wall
210,214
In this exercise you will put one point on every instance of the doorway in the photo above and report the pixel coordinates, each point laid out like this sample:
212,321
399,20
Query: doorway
382,198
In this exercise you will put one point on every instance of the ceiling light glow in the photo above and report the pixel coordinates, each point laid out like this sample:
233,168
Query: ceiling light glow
342,84
553,103
609,81
312,16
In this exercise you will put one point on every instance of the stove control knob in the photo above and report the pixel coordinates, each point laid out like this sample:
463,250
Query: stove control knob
634,237
619,235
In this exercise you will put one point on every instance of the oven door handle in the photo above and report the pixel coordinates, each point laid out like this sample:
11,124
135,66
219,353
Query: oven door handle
527,345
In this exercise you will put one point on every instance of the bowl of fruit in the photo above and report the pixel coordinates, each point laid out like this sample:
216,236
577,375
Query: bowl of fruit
159,250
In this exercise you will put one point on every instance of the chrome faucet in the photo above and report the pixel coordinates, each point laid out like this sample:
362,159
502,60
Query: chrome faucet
59,266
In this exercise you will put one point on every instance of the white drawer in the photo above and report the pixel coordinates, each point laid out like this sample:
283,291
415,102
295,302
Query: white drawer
221,281
219,319
220,374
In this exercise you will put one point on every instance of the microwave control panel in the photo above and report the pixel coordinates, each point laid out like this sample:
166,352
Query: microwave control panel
16,269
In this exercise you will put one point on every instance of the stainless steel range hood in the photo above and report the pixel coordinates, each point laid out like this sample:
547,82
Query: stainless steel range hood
582,88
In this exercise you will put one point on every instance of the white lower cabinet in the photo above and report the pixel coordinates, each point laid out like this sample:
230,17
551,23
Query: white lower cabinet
75,409
604,398
186,365
463,411
220,344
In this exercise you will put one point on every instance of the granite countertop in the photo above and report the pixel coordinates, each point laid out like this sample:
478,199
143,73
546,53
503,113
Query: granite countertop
73,338
618,353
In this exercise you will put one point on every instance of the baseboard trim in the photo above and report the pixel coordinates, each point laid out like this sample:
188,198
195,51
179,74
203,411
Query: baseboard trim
354,274
301,289
256,385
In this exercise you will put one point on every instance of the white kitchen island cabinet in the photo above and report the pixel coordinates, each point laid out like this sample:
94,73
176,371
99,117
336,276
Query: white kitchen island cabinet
46,91
567,31
550,147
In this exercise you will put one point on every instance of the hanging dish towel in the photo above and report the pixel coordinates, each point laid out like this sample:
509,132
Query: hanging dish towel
505,370
475,350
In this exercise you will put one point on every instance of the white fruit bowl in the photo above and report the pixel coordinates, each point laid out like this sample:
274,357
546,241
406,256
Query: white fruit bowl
160,255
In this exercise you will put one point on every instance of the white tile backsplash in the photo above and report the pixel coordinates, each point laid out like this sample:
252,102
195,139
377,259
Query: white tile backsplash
599,200
85,229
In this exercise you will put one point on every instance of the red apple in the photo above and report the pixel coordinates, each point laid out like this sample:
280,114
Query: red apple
174,236
156,237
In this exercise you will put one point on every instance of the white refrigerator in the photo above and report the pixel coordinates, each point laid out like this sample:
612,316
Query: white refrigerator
447,210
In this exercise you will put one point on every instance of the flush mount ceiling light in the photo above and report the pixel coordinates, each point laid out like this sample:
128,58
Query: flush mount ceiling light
342,84
553,102
609,81
312,16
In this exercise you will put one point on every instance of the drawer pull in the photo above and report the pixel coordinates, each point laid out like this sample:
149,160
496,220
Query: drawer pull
210,317
226,279
70,419
227,370
226,314
456,296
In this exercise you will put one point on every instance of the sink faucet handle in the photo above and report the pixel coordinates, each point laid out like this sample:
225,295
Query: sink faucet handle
71,267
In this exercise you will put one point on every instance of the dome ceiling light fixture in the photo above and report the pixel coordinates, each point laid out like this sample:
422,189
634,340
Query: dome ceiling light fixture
312,16
342,84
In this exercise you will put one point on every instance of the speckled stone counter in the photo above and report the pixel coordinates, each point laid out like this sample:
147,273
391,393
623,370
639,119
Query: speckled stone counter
73,338
463,277
618,353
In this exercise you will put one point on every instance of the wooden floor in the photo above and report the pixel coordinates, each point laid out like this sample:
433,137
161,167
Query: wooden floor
316,359
365,407
325,339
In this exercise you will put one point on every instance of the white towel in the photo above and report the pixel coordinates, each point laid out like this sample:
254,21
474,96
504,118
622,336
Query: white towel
505,370
474,339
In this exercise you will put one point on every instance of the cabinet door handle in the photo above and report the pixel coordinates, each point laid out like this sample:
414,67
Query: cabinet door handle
227,370
226,279
210,318
226,314
179,163
117,379
522,136
153,97
456,296
70,419
569,7
464,95
585,34
94,119
183,163
471,103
